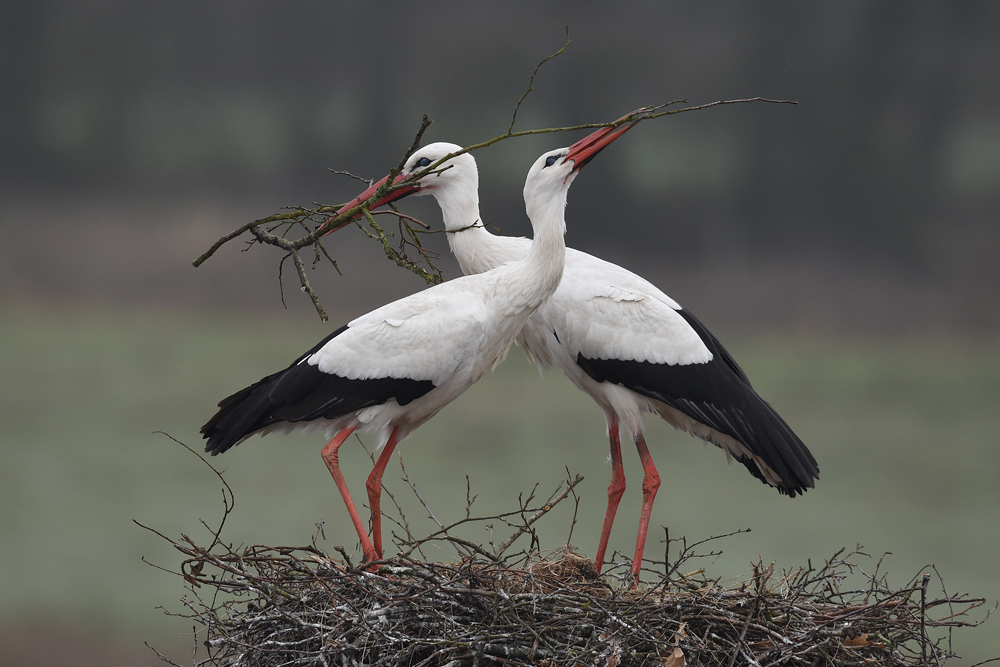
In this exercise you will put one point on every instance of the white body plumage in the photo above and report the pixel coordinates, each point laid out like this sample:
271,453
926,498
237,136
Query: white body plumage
397,366
625,343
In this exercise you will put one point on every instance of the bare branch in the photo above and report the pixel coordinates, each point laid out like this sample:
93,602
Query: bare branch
531,82
344,172
329,219
297,214
400,259
545,509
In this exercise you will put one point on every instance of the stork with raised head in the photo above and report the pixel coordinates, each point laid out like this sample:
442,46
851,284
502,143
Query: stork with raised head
623,342
396,367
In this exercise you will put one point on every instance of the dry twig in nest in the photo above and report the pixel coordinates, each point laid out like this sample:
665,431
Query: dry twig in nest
298,606
263,606
270,606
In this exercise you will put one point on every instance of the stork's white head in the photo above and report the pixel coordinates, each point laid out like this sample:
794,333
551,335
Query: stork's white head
547,183
551,175
454,183
458,174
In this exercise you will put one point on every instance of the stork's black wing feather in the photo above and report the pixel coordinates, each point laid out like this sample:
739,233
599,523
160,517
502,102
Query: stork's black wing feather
301,393
719,395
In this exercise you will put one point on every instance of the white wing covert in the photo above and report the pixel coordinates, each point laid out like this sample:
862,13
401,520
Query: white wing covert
607,312
425,336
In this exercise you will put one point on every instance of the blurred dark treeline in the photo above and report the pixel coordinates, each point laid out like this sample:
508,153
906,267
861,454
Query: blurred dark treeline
892,152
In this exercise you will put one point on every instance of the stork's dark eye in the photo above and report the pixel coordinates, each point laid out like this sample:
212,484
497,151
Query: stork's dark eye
423,162
550,160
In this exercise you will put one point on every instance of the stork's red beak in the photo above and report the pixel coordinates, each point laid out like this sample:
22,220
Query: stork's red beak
369,193
584,150
581,153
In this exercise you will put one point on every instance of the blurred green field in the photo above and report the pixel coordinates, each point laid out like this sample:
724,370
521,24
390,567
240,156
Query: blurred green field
906,435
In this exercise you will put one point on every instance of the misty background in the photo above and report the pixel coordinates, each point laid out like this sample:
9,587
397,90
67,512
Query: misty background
846,249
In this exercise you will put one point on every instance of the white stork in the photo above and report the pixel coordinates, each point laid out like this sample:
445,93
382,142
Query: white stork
396,367
623,342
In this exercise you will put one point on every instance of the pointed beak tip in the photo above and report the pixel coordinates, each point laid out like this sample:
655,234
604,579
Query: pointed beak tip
584,150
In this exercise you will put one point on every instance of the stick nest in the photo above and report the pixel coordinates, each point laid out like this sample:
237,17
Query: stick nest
298,606
263,606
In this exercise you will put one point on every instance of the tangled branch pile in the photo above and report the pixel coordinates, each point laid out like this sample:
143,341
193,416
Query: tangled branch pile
266,606
299,606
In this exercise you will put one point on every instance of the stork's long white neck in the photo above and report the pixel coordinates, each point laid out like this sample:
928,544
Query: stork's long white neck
547,256
528,272
530,281
476,248
459,201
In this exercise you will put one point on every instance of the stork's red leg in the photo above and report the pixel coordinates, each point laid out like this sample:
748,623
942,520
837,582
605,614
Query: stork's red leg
650,483
374,485
332,460
615,490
